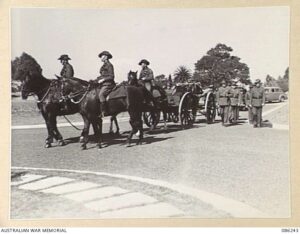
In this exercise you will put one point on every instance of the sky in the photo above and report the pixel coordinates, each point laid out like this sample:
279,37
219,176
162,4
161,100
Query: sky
168,38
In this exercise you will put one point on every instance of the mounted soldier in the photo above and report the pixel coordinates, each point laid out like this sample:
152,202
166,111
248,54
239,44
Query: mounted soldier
257,101
146,75
67,70
235,102
106,80
223,101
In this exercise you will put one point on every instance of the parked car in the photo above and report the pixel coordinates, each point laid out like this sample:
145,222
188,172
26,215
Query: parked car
275,94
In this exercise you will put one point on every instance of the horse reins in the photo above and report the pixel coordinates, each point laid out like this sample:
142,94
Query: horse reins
72,124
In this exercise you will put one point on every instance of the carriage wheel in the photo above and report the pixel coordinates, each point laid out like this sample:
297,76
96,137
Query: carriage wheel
151,119
210,108
187,110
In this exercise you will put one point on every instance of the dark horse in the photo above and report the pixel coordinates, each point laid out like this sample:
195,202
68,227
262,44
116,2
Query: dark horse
159,103
81,96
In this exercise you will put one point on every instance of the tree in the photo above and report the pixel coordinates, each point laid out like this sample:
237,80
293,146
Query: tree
182,74
20,67
283,82
218,64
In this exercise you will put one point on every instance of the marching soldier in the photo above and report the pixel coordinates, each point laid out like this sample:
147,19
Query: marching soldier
235,101
67,70
146,74
106,80
257,101
248,104
223,101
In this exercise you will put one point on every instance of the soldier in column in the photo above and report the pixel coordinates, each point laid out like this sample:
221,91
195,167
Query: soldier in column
248,105
223,102
106,80
257,101
235,102
67,70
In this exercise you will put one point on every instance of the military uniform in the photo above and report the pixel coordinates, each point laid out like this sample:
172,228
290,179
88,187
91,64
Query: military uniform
67,71
248,104
107,74
257,100
147,77
235,101
223,101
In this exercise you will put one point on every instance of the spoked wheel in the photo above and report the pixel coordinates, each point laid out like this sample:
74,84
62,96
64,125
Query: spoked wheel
210,108
151,118
187,110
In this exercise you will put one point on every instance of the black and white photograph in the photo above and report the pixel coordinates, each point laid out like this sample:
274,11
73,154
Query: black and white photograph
150,113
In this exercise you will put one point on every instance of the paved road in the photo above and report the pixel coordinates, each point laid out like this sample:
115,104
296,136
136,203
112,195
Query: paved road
205,171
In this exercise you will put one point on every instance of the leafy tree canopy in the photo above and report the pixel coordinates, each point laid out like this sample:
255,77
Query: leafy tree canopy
23,65
218,64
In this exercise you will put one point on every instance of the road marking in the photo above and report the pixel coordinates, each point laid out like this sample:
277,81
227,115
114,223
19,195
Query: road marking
158,210
36,126
119,202
95,194
274,109
27,178
235,208
68,188
45,183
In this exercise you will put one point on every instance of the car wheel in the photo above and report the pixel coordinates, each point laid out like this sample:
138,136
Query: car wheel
281,99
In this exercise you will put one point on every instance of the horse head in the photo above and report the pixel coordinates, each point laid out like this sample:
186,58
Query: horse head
132,78
73,85
30,85
195,88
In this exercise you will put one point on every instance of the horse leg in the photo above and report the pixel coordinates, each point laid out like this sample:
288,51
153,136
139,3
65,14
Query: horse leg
85,132
133,130
57,134
140,129
49,139
112,118
97,132
117,126
165,120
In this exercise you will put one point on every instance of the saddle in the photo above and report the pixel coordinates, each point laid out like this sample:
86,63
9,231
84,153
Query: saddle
117,92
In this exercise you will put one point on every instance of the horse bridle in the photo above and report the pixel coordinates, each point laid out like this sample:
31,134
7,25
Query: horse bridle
73,95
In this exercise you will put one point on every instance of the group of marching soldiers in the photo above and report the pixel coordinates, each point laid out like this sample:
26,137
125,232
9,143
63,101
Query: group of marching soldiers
229,99
228,96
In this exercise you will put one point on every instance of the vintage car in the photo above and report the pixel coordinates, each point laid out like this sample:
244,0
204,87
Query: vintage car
275,94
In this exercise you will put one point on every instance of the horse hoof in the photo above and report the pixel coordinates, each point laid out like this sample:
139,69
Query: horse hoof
83,147
61,143
81,139
47,145
99,146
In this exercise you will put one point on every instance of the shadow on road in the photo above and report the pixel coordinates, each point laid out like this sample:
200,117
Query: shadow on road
114,139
